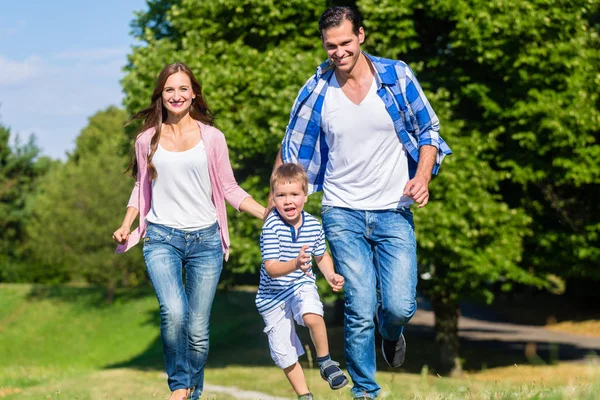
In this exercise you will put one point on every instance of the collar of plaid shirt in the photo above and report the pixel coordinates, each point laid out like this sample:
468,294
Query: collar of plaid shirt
414,120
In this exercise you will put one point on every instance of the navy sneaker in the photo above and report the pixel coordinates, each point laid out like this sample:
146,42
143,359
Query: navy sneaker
394,351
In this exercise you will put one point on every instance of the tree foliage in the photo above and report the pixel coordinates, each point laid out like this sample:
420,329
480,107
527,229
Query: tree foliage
524,73
515,86
515,203
20,167
251,57
80,203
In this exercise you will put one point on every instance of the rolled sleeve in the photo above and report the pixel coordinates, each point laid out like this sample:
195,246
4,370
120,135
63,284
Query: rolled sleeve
134,199
427,124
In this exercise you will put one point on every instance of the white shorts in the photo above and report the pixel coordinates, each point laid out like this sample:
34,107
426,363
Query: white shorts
284,343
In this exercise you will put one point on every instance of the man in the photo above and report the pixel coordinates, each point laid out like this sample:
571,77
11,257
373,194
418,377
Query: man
366,135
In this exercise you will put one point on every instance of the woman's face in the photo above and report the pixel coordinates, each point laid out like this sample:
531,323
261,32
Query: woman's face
177,94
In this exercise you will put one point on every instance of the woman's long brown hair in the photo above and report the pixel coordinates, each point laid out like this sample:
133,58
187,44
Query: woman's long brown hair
156,114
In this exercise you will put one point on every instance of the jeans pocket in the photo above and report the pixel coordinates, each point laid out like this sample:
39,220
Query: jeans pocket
406,213
326,209
156,236
212,241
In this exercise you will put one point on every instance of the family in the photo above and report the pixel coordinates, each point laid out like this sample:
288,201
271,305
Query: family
361,131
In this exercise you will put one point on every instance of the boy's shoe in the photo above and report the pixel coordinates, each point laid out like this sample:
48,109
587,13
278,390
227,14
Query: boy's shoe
331,372
307,396
394,351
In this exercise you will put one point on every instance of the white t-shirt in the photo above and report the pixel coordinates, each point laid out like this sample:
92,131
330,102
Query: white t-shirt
368,166
181,193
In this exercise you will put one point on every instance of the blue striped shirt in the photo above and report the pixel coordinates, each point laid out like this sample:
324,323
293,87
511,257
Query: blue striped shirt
414,120
282,242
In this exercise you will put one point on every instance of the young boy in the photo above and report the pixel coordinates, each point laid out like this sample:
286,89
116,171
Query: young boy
287,290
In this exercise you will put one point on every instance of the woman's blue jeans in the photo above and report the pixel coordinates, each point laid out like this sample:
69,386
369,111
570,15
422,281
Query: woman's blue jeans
375,251
184,308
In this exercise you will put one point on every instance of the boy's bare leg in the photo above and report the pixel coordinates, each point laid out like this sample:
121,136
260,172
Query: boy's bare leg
330,370
318,333
295,375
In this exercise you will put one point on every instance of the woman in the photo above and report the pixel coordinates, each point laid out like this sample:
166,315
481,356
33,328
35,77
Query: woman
183,177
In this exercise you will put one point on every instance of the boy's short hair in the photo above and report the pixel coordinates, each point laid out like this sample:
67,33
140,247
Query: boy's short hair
289,173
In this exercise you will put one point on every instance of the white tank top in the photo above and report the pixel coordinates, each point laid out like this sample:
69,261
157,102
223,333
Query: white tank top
368,166
181,193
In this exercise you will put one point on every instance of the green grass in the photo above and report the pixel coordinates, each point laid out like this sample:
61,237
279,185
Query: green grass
67,343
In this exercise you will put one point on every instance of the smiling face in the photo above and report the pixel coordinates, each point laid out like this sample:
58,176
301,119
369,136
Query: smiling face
343,45
289,201
177,94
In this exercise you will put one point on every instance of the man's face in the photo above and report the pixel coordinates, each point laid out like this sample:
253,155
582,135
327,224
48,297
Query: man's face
343,46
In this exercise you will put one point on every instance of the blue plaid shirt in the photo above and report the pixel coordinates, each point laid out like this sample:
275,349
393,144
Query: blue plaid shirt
414,120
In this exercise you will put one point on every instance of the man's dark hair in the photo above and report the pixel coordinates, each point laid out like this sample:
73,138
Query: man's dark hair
335,16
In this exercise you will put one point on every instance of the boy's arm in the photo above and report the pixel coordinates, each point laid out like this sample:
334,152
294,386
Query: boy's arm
276,268
325,264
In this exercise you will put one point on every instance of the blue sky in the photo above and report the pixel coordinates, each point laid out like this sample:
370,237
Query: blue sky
60,62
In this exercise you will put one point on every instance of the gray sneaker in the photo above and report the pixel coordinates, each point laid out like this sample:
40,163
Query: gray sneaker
394,351
307,396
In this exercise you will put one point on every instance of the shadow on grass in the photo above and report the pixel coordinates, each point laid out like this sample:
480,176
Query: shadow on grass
86,296
237,338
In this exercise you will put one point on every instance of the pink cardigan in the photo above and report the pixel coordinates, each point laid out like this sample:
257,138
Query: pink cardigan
223,183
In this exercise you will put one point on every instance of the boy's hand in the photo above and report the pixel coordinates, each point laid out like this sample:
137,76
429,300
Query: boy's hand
303,260
336,281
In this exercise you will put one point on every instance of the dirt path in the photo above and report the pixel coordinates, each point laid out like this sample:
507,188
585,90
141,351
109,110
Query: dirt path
478,327
241,394
475,328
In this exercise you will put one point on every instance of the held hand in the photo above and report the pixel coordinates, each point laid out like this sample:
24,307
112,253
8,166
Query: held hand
121,235
336,281
303,260
418,190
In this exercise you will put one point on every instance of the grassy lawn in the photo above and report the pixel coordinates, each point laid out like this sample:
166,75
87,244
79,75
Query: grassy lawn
67,343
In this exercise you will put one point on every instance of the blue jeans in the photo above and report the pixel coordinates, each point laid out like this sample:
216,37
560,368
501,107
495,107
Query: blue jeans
376,253
184,309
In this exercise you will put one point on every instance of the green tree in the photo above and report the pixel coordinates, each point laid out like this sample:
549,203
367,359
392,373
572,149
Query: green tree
79,205
20,169
251,58
521,82
512,81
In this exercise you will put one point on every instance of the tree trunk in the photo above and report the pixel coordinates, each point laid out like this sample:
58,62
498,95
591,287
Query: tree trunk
446,335
110,294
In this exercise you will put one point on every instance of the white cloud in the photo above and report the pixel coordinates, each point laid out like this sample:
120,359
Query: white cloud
16,72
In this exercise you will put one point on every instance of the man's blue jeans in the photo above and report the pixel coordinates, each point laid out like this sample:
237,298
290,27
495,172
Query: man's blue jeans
184,310
376,253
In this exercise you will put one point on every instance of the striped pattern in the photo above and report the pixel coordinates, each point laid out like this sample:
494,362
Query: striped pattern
280,241
414,120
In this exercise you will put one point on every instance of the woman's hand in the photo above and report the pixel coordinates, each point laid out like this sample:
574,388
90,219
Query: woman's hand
121,235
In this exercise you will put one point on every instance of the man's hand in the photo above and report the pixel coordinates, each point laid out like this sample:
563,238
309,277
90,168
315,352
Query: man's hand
336,281
418,190
303,260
